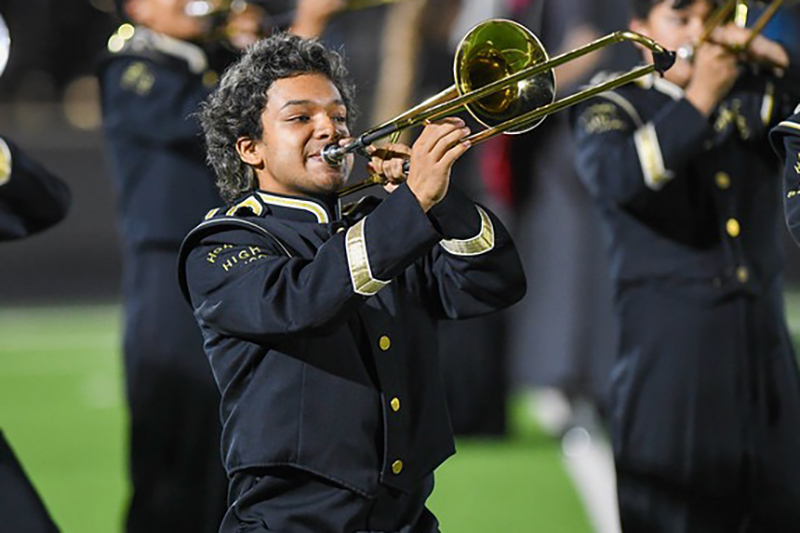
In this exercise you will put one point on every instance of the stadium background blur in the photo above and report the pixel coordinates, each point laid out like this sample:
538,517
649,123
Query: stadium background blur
61,403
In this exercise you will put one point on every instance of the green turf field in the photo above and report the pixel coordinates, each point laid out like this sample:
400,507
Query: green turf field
62,409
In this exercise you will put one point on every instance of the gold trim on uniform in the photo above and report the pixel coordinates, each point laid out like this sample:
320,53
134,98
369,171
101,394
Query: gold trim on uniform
650,157
305,205
249,202
358,262
211,213
788,124
480,244
5,162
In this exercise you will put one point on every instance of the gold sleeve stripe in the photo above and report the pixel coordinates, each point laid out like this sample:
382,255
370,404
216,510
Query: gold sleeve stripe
5,162
788,124
358,262
250,202
320,213
480,244
650,157
211,213
768,104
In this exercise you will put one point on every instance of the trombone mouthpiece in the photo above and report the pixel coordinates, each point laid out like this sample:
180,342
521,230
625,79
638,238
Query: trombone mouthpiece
333,154
686,52
663,61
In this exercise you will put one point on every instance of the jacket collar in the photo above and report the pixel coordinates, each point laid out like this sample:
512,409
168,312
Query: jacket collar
142,38
655,81
302,209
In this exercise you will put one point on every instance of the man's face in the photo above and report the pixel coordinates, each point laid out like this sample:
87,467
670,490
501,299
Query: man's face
168,17
673,28
303,114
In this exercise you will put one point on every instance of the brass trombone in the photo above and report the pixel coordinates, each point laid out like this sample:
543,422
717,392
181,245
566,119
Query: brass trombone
504,79
740,11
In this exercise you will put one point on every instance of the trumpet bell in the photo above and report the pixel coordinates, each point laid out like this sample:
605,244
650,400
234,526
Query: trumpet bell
494,50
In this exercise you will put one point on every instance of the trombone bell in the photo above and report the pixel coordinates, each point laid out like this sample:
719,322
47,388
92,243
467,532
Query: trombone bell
493,51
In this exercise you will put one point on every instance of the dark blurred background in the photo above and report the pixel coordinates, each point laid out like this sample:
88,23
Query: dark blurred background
49,106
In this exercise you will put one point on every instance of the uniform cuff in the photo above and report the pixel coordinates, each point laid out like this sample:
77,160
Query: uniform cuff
381,245
455,216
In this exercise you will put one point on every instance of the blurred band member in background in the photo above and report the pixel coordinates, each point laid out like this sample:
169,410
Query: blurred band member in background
31,200
706,393
785,139
152,82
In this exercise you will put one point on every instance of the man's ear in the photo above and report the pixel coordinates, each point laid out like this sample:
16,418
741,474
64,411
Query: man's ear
248,151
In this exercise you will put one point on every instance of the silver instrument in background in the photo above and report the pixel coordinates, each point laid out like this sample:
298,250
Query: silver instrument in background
5,45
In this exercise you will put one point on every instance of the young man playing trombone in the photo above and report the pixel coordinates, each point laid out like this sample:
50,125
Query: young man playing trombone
706,393
321,331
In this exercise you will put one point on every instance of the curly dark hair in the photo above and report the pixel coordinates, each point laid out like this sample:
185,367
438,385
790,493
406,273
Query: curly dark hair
234,109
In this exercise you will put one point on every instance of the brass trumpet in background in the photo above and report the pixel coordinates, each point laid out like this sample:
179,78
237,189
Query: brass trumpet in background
738,11
504,79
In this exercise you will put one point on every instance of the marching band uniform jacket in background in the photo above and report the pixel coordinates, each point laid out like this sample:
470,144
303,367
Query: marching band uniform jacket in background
151,86
785,139
31,198
706,381
322,333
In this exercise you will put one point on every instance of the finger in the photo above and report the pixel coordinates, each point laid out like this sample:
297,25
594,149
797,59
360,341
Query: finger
447,141
433,131
455,152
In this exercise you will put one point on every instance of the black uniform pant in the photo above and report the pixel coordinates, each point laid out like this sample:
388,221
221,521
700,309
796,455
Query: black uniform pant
705,417
179,484
288,500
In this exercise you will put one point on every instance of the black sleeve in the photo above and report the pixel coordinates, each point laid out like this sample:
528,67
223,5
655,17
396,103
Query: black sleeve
621,159
786,141
248,287
31,198
139,92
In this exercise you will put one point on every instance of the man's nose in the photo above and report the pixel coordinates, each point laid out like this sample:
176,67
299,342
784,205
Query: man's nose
697,26
325,127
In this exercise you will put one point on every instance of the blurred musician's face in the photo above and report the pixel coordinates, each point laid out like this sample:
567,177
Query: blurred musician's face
168,17
673,28
303,114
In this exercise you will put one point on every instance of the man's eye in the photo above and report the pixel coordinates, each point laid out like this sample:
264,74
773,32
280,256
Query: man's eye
340,120
300,118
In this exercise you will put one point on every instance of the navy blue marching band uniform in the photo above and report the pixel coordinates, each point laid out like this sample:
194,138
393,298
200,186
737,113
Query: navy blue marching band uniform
31,200
321,334
152,84
785,138
705,402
